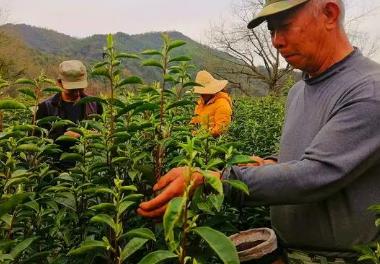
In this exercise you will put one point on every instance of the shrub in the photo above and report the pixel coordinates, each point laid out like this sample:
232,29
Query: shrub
257,124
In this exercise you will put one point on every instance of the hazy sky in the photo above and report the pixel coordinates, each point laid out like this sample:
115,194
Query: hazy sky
81,18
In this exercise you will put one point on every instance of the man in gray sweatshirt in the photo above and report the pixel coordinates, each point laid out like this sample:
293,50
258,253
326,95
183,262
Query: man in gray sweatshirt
328,172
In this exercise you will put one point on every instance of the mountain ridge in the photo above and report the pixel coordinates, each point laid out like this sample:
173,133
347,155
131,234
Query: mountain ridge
89,49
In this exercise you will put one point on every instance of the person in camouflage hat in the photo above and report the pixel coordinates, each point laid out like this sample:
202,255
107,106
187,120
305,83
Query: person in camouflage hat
72,79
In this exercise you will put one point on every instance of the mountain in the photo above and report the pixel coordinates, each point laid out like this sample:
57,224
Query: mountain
90,49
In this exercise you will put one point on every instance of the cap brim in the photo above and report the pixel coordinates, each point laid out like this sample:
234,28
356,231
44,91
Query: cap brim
211,88
272,9
74,85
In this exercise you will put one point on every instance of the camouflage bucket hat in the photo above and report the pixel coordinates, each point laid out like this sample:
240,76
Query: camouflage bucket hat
73,74
272,7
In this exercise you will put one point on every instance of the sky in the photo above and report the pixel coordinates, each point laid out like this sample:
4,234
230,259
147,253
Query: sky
81,18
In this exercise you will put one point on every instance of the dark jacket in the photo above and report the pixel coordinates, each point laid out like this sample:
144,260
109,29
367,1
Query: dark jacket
53,107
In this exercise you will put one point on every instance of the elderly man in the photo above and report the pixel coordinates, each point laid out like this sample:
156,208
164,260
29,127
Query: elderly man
328,172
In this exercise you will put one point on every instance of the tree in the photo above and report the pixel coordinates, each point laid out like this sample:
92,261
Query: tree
252,61
358,18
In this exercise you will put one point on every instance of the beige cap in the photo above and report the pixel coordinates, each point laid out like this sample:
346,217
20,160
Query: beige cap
273,7
210,85
73,74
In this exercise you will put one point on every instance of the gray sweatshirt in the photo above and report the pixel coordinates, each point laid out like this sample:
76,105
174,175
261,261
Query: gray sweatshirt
329,164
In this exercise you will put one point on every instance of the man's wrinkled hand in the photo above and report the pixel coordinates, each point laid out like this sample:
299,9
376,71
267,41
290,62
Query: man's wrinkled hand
72,134
172,184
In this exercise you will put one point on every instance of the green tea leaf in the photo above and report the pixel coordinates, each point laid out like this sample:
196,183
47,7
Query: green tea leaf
133,245
130,80
104,219
70,157
171,217
62,123
15,181
47,120
140,232
221,244
100,190
65,138
8,205
127,55
157,257
238,185
28,148
28,128
100,64
11,105
76,130
52,90
192,84
169,78
109,41
134,127
124,206
102,206
152,63
240,159
87,246
175,44
119,160
129,108
146,107
214,163
151,52
25,81
180,103
128,188
214,182
66,199
20,247
180,58
133,197
27,92
375,208
100,72
20,173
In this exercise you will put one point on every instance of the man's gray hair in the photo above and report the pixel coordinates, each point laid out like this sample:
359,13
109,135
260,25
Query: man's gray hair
318,3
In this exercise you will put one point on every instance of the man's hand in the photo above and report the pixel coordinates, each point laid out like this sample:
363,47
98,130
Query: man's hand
258,161
72,134
173,185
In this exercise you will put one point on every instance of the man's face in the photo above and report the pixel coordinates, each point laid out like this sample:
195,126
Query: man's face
72,94
299,37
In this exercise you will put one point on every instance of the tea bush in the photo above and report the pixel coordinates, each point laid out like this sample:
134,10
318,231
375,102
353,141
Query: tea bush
257,124
84,212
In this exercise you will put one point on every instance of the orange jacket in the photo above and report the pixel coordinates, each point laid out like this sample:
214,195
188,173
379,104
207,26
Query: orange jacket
215,114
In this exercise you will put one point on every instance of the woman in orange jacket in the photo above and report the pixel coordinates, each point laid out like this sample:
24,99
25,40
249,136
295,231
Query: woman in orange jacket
214,107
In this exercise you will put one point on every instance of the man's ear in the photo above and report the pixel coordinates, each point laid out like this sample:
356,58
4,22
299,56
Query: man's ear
59,83
332,13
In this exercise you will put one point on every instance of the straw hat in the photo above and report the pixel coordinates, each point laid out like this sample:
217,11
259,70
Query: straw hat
272,7
73,74
210,85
